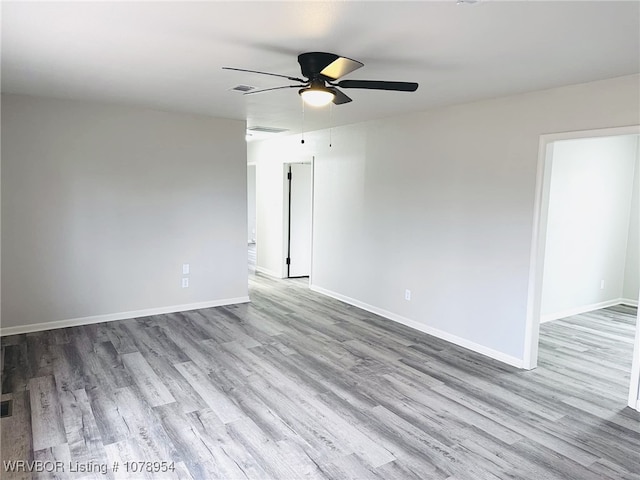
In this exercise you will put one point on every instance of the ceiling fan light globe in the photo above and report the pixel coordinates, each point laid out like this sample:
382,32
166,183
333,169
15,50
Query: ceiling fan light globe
317,97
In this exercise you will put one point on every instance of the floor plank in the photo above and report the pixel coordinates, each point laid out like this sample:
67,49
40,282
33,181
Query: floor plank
46,414
297,385
152,388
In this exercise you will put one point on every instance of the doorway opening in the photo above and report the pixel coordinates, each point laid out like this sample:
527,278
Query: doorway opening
299,211
585,250
251,217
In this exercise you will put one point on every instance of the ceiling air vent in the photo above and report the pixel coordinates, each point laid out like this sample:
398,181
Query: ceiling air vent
243,88
267,129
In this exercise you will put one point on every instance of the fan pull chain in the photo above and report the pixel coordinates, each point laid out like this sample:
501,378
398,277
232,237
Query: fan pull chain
302,140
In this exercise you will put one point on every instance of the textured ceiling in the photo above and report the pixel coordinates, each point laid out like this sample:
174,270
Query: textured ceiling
168,55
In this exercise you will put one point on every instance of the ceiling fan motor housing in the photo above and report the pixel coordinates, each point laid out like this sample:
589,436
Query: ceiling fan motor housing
312,63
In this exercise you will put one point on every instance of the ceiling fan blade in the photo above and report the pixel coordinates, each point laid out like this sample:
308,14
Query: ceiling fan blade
293,79
339,97
275,88
379,85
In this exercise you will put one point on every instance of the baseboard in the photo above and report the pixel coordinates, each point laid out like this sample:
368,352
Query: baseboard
74,322
462,342
586,308
270,273
629,302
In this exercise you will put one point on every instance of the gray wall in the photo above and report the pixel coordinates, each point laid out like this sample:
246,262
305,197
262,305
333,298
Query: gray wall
101,206
588,224
442,203
632,270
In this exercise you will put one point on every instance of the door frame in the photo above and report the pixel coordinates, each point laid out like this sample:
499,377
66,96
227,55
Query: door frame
286,215
255,195
634,386
538,244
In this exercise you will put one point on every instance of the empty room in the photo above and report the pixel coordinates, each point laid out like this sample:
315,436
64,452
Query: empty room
320,240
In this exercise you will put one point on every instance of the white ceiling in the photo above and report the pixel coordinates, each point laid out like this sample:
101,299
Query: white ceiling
168,55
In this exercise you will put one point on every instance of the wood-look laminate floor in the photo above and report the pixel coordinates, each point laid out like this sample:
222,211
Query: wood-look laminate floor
296,385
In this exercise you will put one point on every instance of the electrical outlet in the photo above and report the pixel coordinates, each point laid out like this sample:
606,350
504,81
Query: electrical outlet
185,269
601,284
407,294
185,282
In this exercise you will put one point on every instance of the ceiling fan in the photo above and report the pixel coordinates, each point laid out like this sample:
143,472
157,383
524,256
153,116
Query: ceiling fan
322,71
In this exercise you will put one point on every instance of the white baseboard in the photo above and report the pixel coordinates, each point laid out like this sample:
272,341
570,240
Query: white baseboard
629,302
74,322
586,308
268,272
462,342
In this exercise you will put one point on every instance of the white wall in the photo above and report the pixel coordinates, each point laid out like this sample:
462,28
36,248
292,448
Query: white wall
101,206
270,238
441,202
251,203
632,271
588,224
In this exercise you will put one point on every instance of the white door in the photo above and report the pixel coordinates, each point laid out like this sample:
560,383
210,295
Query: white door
299,220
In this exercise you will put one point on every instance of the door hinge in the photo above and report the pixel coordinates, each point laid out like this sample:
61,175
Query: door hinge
288,175
288,261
